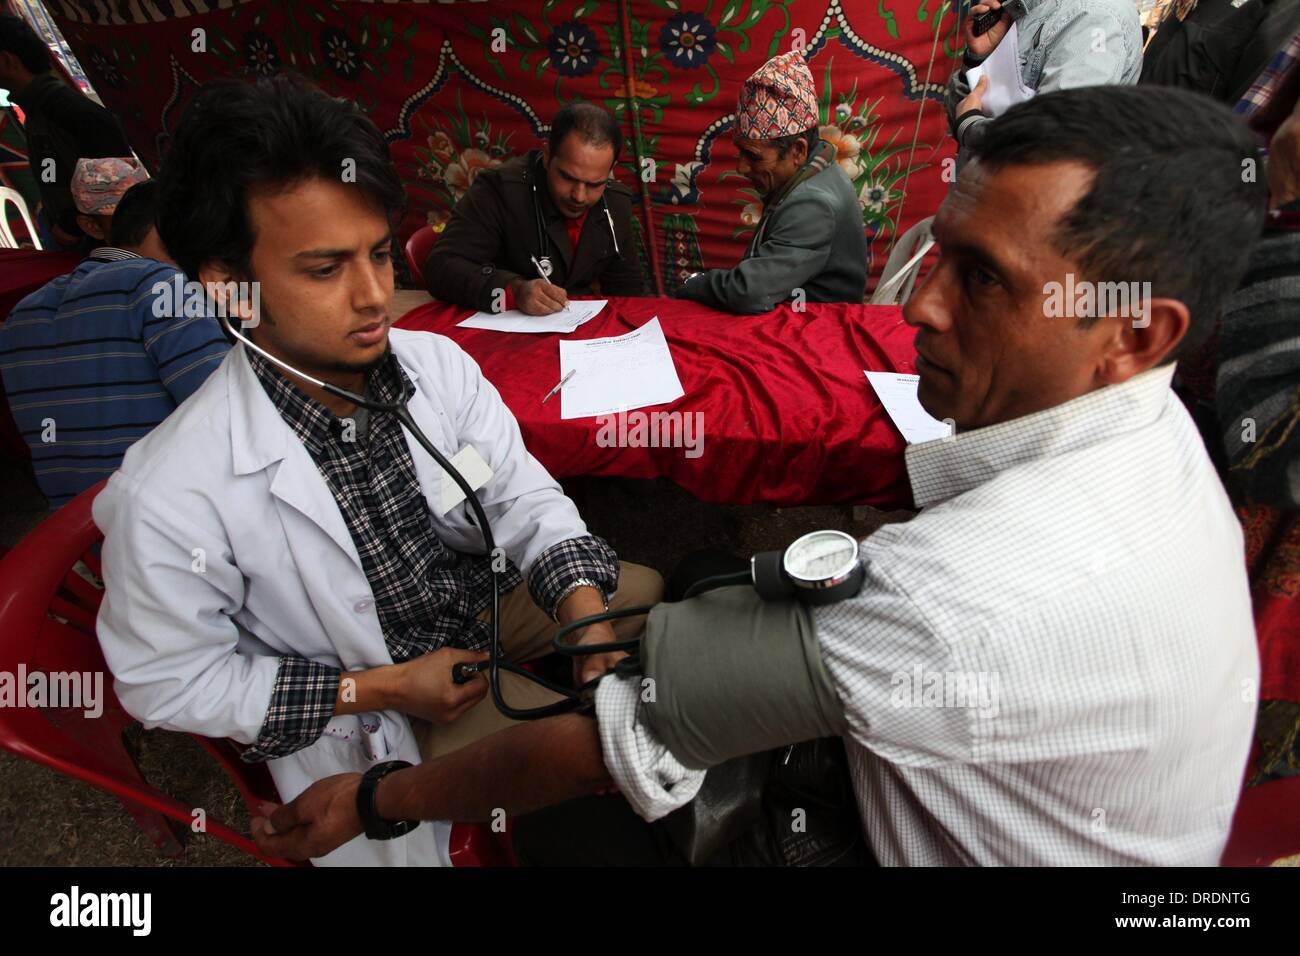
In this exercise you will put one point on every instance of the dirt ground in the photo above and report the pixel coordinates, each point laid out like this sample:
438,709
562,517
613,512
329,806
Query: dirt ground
47,819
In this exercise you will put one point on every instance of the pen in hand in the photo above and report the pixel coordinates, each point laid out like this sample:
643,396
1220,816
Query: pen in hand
542,275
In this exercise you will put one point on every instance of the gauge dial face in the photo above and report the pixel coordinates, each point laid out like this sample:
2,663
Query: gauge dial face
821,556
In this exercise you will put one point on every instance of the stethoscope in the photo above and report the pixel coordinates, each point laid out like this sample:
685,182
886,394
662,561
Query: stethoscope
821,567
539,223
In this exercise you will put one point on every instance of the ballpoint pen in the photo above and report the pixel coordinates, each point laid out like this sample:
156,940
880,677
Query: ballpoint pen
541,272
559,385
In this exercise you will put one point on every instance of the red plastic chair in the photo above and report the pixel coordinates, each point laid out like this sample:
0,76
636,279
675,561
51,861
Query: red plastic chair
417,250
47,624
1266,826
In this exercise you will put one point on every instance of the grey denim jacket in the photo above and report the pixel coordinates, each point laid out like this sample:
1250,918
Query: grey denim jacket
1063,44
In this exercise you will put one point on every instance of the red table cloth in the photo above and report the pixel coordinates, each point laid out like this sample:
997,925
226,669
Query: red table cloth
788,416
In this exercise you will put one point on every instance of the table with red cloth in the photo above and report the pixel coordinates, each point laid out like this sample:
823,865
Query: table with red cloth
22,272
789,418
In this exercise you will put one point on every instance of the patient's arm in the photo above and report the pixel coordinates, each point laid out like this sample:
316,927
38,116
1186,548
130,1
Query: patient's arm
518,770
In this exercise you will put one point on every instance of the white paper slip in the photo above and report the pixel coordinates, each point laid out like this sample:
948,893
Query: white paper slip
1006,87
618,373
472,468
566,320
897,392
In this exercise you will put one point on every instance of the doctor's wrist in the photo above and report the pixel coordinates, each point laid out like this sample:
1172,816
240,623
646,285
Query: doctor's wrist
379,688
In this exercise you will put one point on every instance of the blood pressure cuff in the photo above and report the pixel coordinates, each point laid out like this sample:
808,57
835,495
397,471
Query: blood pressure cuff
733,675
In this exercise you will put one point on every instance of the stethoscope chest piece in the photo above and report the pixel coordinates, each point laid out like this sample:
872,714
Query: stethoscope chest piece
547,267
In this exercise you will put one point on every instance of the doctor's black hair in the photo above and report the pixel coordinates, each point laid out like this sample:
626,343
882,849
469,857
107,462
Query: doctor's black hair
595,126
18,37
235,137
1176,199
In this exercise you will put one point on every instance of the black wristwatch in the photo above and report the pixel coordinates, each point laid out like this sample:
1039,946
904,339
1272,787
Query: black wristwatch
376,827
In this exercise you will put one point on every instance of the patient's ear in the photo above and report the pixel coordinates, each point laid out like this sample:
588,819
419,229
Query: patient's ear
1143,339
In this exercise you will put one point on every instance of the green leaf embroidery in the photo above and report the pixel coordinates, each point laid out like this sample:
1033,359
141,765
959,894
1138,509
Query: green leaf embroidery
527,29
888,16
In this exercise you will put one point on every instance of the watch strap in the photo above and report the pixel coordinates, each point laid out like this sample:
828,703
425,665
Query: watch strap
375,826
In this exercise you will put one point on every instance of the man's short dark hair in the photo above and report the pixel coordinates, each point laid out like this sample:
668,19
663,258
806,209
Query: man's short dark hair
18,37
596,126
1176,199
784,144
134,215
235,137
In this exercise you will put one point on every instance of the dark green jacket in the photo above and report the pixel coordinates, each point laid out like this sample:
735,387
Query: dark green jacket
65,125
812,241
493,232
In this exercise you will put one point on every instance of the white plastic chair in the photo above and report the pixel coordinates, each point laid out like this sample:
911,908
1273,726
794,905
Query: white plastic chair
7,240
898,278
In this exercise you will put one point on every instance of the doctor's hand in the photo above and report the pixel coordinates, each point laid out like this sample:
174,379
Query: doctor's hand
424,687
589,667
539,297
984,44
322,818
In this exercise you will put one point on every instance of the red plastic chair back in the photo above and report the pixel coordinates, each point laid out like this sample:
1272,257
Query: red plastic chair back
417,250
47,624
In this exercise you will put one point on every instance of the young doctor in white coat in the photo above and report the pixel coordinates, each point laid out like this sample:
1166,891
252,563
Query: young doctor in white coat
280,567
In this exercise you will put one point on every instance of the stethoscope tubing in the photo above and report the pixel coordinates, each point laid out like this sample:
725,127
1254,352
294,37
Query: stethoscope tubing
572,699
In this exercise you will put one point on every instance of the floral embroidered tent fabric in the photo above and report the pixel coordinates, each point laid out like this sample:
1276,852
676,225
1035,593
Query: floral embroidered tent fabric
458,87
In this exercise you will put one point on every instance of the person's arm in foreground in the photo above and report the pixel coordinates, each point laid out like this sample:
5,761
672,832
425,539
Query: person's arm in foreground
517,770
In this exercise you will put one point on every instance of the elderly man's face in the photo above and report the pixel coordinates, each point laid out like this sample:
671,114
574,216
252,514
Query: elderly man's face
763,165
988,349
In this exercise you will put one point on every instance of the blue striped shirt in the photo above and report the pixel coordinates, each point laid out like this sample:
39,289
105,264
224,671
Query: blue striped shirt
89,368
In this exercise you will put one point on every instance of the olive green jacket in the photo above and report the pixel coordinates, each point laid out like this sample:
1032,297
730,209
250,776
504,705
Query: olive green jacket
813,240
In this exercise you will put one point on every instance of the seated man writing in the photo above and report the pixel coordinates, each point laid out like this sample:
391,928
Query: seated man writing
1075,554
281,568
543,226
810,237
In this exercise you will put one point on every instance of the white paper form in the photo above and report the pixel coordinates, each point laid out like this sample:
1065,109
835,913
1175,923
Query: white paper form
579,311
618,373
897,392
1006,87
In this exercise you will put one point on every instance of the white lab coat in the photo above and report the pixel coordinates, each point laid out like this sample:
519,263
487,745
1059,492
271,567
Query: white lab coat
224,549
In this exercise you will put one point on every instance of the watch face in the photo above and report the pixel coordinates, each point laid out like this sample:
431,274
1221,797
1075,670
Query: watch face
820,557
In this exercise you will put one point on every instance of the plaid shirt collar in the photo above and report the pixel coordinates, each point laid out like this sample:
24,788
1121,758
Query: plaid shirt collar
314,424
